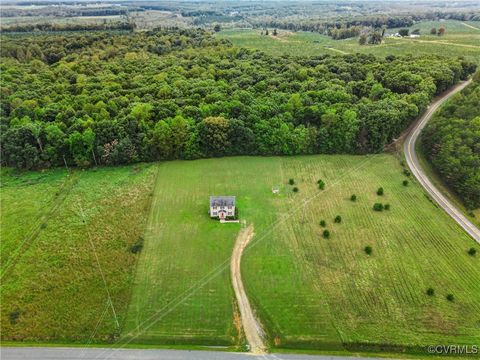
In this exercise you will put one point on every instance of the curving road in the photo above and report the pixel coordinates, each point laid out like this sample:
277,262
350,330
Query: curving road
417,171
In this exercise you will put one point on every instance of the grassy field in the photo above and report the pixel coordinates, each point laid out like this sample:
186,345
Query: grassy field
183,246
308,291
367,300
461,38
67,268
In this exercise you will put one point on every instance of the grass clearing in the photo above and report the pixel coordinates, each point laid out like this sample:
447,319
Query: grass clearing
31,193
308,291
55,285
368,300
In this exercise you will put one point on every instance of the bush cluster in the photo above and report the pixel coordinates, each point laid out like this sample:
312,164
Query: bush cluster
321,184
378,207
137,246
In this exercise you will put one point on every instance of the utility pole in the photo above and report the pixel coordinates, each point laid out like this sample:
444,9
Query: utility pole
304,205
94,158
65,162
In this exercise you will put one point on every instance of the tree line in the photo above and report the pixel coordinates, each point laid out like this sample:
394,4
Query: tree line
112,25
66,10
451,141
113,98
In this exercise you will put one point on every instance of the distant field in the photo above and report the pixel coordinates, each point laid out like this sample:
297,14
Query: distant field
309,292
461,38
26,20
143,19
52,286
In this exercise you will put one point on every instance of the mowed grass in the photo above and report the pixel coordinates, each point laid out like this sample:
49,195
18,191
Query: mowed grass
368,300
183,290
67,267
308,291
460,39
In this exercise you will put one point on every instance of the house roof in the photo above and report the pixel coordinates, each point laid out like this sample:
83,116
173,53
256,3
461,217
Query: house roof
222,200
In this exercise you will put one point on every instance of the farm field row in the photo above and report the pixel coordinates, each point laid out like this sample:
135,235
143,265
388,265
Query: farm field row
309,292
461,38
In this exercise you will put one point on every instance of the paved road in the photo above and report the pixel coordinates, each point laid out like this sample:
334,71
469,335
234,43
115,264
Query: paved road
46,353
417,171
251,327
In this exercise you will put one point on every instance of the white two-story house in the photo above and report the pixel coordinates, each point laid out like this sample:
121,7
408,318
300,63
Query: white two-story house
222,206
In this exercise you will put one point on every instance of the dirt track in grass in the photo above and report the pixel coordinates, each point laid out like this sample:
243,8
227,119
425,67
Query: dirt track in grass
251,327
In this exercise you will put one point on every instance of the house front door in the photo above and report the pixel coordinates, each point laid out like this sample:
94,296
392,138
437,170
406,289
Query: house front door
222,214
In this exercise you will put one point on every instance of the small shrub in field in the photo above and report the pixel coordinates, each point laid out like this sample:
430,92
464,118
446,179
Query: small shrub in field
405,182
321,184
380,191
386,207
137,246
368,250
472,251
326,234
338,219
323,223
406,172
291,181
295,189
430,291
43,226
353,197
450,297
13,316
378,207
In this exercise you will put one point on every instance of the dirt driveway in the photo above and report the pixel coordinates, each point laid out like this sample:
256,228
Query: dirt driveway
251,326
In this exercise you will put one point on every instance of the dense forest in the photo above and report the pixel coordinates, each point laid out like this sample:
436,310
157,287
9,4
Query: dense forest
114,98
452,143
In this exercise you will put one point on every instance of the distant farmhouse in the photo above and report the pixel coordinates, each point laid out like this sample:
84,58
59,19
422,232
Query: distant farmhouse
222,206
